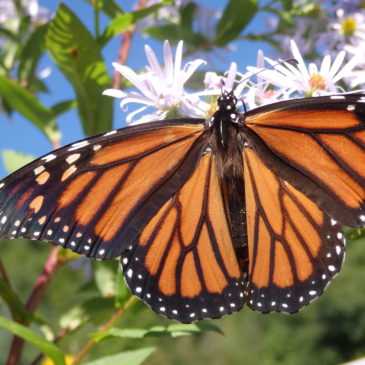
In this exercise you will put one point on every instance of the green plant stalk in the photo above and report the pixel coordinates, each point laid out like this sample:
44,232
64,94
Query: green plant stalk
96,18
91,343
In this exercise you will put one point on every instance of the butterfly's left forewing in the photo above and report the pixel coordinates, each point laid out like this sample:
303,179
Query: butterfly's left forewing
183,264
88,195
294,248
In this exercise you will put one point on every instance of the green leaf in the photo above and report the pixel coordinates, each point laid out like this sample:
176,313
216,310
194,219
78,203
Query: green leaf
122,22
63,107
16,307
30,54
47,348
14,160
109,7
78,56
174,330
184,30
105,275
174,33
6,33
180,329
95,309
236,16
123,293
355,233
28,105
125,358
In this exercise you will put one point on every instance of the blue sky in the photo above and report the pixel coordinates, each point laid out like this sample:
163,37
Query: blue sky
20,135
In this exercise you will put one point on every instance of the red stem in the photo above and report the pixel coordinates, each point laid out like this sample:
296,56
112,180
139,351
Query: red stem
125,47
40,287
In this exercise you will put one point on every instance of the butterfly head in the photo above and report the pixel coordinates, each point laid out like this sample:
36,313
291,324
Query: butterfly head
226,110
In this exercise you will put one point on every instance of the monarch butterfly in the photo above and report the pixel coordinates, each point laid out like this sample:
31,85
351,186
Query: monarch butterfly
207,215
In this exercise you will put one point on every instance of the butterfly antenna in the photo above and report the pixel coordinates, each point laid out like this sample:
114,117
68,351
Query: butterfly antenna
291,61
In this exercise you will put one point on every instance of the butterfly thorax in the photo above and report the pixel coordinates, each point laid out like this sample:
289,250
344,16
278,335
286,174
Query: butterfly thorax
226,137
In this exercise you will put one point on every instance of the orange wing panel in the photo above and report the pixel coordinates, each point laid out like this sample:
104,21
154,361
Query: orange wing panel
292,266
190,271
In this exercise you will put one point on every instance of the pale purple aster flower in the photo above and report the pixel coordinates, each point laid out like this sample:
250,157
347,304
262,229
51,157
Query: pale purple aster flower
216,84
349,6
9,13
311,80
159,87
304,34
347,29
166,14
262,92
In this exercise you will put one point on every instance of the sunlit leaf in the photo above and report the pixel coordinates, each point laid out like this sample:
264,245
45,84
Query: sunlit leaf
28,105
105,275
78,56
14,160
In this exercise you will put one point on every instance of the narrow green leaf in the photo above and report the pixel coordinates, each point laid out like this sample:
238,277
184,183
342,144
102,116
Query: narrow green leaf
14,160
236,16
180,329
28,105
63,107
30,54
125,358
122,22
8,34
109,7
16,307
78,56
47,348
105,275
174,330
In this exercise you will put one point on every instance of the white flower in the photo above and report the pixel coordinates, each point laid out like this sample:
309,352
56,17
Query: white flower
8,11
309,81
216,84
159,87
262,92
347,29
167,14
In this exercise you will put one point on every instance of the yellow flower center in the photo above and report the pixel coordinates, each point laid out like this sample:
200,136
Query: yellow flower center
348,27
316,82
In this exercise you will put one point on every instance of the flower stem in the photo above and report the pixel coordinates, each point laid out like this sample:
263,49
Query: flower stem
91,343
96,18
125,47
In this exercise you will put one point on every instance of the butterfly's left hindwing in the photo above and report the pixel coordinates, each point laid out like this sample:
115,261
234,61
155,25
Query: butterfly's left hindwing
183,264
87,195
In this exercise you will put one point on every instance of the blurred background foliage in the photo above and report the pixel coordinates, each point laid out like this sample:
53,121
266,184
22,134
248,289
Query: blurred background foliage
83,296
